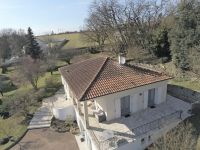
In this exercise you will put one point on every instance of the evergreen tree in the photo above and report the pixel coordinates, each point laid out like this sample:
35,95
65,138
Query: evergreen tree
32,47
185,34
161,45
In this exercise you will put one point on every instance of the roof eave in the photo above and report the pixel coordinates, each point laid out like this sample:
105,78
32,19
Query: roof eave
127,89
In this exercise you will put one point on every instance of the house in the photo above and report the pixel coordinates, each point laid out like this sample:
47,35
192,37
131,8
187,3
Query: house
118,106
50,43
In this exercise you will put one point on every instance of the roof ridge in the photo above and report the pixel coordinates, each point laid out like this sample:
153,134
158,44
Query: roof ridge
102,66
79,62
145,69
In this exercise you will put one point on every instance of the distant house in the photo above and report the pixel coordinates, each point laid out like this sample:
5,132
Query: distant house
45,45
118,106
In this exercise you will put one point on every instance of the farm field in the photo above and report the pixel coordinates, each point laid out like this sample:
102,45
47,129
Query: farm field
76,40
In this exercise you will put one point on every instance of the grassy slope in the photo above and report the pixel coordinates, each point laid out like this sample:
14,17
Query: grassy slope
75,40
194,85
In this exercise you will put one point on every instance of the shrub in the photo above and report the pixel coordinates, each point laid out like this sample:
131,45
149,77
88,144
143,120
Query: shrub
52,83
4,111
3,78
38,95
93,50
7,86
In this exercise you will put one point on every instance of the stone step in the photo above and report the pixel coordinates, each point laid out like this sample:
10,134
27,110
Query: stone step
43,114
41,122
40,116
43,110
39,126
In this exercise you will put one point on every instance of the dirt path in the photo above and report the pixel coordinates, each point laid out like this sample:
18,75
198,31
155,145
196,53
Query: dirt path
46,139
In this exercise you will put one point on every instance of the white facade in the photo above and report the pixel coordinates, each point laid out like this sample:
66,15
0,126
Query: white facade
138,99
148,138
68,92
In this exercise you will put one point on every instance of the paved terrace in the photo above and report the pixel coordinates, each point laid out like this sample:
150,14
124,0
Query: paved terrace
127,128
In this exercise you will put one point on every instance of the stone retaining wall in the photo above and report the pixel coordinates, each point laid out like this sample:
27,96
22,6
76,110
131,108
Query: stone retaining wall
185,94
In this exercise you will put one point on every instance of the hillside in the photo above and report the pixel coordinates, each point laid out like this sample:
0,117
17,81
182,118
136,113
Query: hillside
75,39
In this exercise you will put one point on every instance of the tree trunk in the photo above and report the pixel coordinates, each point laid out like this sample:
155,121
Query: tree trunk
34,85
4,69
1,92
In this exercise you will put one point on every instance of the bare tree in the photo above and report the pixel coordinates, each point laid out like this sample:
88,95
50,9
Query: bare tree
95,32
5,51
127,23
180,138
30,70
17,40
51,61
11,43
110,15
51,56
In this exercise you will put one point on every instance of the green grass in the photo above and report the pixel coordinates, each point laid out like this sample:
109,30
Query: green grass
193,85
12,127
75,40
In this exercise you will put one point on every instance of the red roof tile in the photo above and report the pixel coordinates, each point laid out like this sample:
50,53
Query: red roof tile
101,76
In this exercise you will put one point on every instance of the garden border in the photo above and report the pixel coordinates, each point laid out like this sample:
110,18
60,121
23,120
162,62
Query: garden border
18,140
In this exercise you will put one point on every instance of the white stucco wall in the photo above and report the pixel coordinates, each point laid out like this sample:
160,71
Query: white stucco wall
154,135
110,104
68,92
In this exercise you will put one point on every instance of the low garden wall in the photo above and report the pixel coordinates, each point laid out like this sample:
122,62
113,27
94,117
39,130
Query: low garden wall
185,94
17,141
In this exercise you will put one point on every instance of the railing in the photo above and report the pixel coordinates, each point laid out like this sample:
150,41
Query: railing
123,138
158,123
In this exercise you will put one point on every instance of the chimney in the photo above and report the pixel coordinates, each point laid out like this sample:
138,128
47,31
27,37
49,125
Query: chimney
122,59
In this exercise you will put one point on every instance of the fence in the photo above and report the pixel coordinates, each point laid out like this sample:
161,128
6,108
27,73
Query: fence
117,141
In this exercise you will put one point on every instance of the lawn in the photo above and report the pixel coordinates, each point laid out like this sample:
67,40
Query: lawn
12,127
75,40
194,85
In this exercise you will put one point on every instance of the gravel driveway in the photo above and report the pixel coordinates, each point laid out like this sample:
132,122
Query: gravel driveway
46,139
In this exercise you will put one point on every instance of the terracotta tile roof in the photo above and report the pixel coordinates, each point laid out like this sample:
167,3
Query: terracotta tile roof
79,76
101,76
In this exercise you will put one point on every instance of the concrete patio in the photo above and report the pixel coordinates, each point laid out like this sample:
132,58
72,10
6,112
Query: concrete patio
128,128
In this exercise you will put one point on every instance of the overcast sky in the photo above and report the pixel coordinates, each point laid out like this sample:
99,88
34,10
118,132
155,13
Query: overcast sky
44,15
